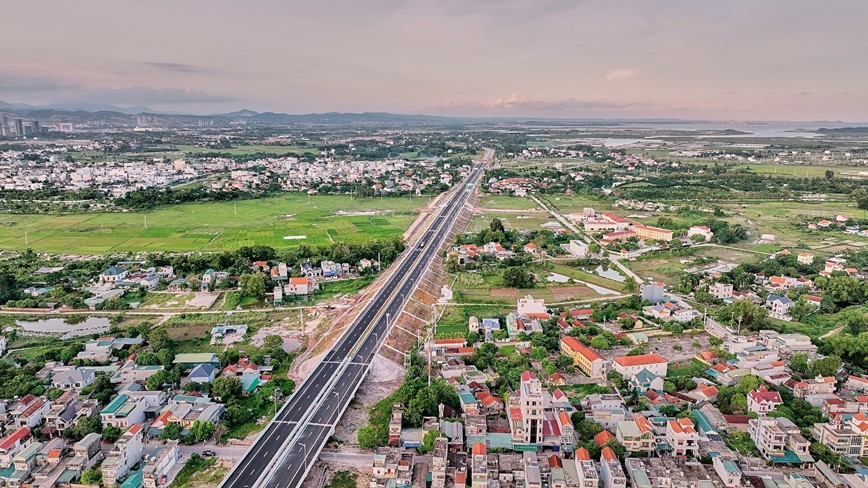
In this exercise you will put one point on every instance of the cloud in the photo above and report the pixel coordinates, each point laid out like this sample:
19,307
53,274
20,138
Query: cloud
621,74
518,103
37,90
179,67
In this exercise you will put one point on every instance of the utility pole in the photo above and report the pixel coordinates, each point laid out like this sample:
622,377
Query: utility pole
146,221
235,207
26,239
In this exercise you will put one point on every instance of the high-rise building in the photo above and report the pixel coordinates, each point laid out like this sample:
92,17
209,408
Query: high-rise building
531,398
19,127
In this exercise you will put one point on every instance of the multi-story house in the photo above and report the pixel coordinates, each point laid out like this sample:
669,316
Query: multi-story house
721,291
28,411
636,435
531,404
821,385
683,438
779,440
586,469
123,412
13,443
158,464
848,438
763,401
126,454
479,466
611,473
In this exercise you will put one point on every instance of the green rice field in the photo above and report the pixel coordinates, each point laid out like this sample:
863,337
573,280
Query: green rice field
280,222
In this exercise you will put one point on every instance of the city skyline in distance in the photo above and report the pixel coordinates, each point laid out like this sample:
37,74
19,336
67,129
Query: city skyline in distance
558,60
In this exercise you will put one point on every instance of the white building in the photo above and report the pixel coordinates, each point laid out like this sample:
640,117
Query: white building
700,230
683,438
578,249
721,291
531,306
126,453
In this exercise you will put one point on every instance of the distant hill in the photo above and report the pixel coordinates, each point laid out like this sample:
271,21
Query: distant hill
845,131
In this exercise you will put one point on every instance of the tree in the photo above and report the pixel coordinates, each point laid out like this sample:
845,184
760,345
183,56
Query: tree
738,403
428,441
496,225
156,381
201,431
799,362
252,285
626,323
616,446
669,387
172,432
102,389
600,342
538,353
630,285
371,436
861,197
159,339
587,429
111,433
744,313
92,476
829,174
273,346
83,427
594,248
827,366
577,417
226,388
517,278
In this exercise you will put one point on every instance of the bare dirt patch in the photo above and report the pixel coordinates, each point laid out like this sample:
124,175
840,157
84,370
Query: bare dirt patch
384,378
504,292
566,292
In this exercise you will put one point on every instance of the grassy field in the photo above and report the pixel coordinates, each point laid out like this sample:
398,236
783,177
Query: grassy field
503,202
518,221
805,170
251,149
453,323
214,226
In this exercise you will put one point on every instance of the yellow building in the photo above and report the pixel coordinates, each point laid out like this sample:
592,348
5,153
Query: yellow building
585,358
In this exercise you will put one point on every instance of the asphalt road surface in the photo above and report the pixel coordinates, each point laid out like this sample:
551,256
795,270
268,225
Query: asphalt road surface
298,440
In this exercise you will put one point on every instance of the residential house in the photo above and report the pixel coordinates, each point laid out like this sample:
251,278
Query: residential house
73,378
611,472
479,466
779,306
532,307
299,286
126,453
653,292
531,405
763,401
28,411
159,463
123,412
112,275
13,443
191,360
588,477
682,437
780,440
701,230
814,386
727,469
721,291
636,435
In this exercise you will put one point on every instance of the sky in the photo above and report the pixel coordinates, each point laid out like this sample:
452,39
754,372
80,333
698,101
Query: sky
795,60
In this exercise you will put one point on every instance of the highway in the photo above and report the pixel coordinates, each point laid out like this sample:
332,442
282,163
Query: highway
287,448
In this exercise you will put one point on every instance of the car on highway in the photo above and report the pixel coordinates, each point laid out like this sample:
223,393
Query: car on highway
208,453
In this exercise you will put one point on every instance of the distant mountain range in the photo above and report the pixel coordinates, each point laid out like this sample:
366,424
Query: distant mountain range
106,115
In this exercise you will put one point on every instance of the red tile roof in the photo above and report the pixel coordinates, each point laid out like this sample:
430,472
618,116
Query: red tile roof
14,437
479,449
603,437
609,454
583,454
578,347
640,360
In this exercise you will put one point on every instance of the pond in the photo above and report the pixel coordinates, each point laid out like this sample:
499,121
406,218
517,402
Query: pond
90,325
609,273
